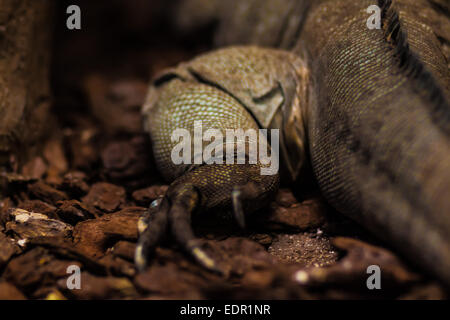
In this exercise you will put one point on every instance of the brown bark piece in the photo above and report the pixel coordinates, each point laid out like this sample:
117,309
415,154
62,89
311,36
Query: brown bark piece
45,192
352,269
145,196
105,197
10,292
125,250
292,215
7,249
92,236
40,207
36,267
30,225
25,35
73,211
93,287
74,182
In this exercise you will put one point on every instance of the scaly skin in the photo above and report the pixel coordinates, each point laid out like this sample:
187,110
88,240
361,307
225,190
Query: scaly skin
176,104
371,106
378,125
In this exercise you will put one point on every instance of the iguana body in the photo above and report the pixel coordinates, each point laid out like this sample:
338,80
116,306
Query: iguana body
370,106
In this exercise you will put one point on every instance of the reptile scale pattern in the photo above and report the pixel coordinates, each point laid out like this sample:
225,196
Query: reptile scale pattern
374,105
380,152
180,103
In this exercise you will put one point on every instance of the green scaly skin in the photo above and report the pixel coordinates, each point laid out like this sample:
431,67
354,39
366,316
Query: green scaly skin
371,106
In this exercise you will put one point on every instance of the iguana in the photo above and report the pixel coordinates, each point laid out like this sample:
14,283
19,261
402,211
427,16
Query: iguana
367,109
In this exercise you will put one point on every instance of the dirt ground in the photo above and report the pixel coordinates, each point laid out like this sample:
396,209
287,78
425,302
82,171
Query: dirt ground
78,201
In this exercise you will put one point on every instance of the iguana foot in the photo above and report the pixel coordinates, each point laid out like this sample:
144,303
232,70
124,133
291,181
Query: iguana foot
240,187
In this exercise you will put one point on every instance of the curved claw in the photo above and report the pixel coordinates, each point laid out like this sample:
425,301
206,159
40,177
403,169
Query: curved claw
183,205
240,194
144,220
155,228
236,199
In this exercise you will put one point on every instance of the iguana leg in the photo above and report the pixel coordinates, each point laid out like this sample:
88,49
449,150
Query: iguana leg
175,103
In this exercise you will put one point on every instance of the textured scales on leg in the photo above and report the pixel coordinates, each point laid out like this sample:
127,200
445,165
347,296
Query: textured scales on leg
373,105
236,88
378,123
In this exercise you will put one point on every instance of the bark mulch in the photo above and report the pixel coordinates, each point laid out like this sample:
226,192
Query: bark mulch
79,200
